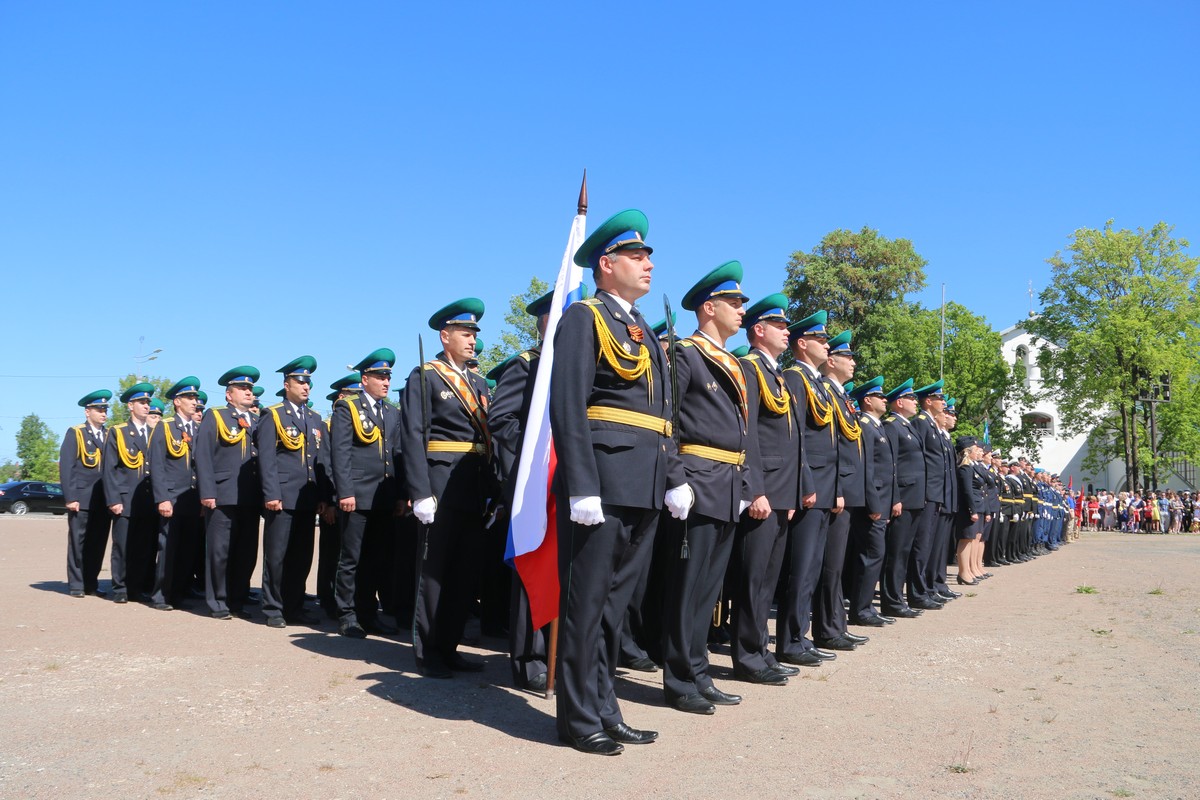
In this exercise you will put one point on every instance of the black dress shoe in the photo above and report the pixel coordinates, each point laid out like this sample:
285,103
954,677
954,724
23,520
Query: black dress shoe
874,621
537,683
380,628
718,698
301,618
242,613
693,704
902,613
97,592
926,604
972,582
986,575
837,643
887,620
766,676
76,593
599,743
276,622
642,664
824,655
434,670
352,630
626,735
222,615
806,659
854,637
461,663
784,670
948,592
121,597
163,607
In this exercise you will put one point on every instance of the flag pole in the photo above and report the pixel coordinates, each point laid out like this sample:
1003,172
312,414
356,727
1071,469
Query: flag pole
552,648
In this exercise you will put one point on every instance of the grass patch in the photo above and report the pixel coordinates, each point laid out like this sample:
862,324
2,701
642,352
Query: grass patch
1101,631
1121,793
959,769
972,594
963,765
1156,590
53,666
1086,590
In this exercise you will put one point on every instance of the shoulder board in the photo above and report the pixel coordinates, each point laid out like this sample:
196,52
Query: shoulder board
684,343
888,417
794,368
922,416
527,355
121,425
591,301
277,405
169,419
751,357
427,365
78,427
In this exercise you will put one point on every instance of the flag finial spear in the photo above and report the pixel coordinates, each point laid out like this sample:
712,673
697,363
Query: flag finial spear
582,207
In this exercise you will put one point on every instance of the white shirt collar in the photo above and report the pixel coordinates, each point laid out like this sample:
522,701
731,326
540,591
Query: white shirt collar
627,306
765,356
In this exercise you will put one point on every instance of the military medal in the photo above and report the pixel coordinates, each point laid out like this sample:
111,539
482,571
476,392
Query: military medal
242,423
635,333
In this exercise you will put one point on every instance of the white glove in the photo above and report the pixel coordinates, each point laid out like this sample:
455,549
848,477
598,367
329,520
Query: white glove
424,510
679,501
742,506
586,510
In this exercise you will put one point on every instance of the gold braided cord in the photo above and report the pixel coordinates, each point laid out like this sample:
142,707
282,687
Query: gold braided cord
820,411
227,436
776,405
613,353
90,460
374,437
848,427
136,462
176,448
290,442
442,446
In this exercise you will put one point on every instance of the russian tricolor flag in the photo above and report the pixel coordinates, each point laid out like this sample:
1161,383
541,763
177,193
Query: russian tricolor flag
532,534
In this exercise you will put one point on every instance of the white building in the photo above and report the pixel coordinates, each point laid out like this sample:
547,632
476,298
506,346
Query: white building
1060,453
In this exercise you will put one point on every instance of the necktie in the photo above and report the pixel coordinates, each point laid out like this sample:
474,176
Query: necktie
379,413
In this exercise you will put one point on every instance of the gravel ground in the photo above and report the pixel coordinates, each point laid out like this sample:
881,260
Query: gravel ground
1023,688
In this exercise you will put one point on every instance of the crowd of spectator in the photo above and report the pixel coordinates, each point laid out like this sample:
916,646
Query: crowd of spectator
1167,511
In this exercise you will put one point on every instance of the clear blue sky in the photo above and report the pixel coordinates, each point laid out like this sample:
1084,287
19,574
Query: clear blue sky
249,182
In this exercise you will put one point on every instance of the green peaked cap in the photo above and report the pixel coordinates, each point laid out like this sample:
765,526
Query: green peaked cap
302,367
724,281
625,230
258,391
350,383
812,325
660,328
189,384
466,312
931,389
840,345
156,406
381,360
773,306
137,392
239,375
873,386
100,397
740,352
900,391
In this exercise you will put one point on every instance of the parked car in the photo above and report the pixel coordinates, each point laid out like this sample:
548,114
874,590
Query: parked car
21,497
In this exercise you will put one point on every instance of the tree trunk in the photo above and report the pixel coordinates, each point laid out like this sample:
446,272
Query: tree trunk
1130,474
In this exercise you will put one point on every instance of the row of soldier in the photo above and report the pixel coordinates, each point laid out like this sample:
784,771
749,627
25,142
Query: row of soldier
687,481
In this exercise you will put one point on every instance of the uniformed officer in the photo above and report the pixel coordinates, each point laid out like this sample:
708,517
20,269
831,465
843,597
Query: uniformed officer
329,543
609,409
507,417
944,543
256,407
366,431
819,492
79,471
126,473
231,494
939,485
906,442
201,406
156,412
853,465
762,530
447,470
716,405
293,464
175,496
869,523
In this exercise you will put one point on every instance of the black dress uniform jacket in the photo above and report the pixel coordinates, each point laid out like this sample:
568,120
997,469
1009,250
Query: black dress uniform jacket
227,472
939,461
299,478
129,486
881,488
778,437
509,411
819,472
367,471
910,461
81,483
174,475
853,462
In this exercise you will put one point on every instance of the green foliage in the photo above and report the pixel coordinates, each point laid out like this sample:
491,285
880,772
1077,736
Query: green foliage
862,279
521,333
37,450
1123,309
9,471
119,412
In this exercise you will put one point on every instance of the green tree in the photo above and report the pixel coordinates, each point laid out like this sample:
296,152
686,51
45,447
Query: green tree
120,412
37,450
1122,310
852,275
9,471
521,331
